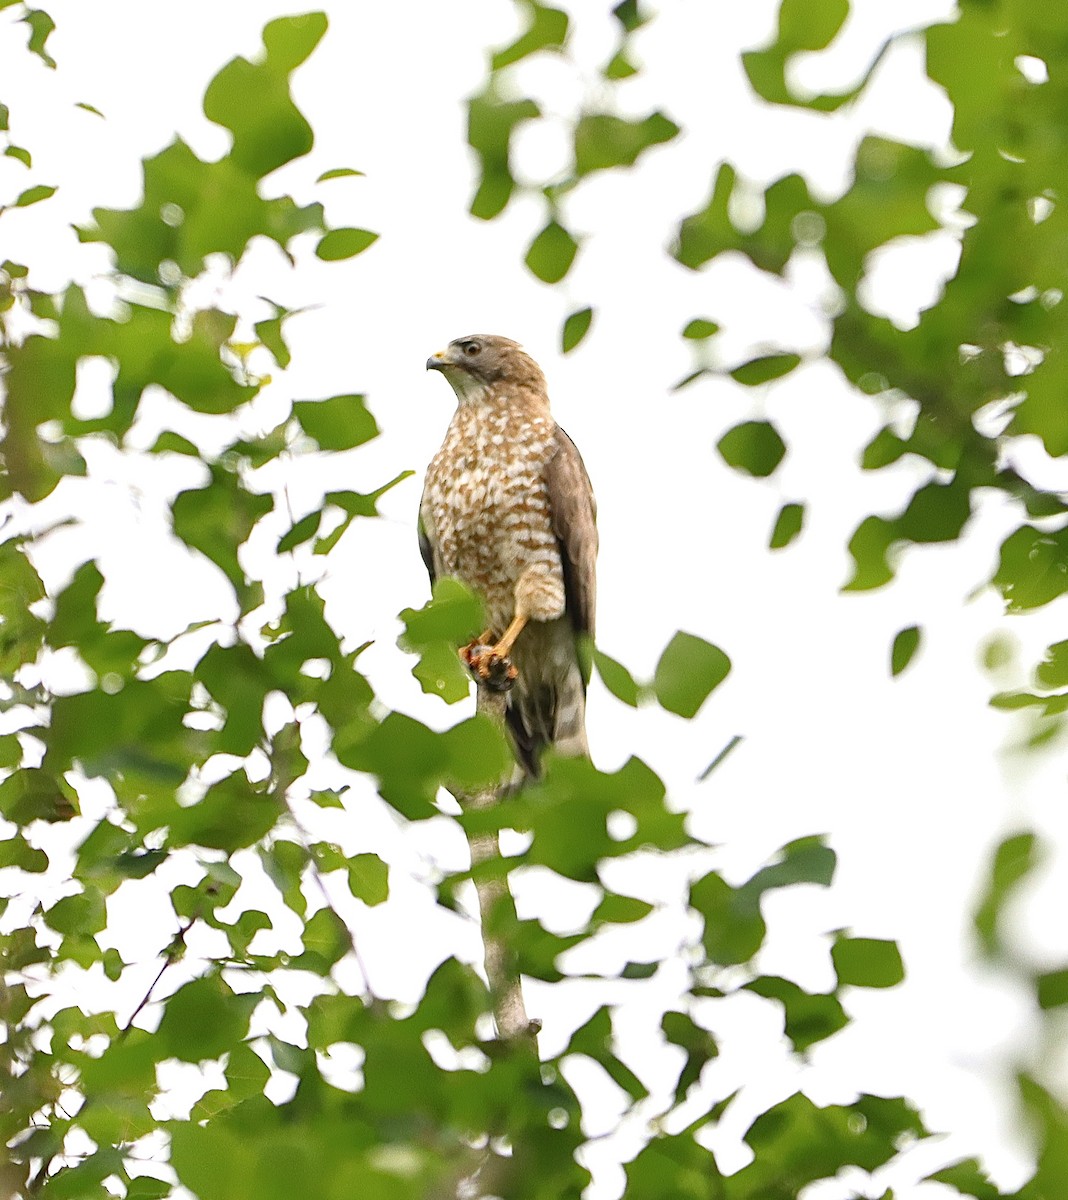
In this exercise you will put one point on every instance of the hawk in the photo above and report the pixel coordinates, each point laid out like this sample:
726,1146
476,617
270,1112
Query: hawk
508,509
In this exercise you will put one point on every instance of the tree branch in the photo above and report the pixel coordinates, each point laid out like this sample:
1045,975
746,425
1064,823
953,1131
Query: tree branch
495,898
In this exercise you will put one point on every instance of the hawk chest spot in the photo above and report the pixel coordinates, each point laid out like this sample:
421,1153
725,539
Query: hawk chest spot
488,497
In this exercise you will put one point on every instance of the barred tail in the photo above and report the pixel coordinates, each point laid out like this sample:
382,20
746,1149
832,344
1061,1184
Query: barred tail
547,715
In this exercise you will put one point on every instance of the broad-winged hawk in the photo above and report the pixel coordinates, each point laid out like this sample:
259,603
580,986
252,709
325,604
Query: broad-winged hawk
508,509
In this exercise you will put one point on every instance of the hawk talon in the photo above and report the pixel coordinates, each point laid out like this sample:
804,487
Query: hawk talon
488,667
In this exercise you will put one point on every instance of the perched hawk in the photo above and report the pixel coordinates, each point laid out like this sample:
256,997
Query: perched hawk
508,509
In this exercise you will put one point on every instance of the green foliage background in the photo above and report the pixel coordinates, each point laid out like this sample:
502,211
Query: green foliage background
123,760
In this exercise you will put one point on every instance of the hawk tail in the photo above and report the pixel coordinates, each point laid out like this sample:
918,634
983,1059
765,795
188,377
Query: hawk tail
548,715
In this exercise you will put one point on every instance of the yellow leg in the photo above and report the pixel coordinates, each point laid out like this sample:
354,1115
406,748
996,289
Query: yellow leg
510,634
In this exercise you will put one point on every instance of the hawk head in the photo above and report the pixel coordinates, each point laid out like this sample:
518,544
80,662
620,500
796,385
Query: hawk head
475,364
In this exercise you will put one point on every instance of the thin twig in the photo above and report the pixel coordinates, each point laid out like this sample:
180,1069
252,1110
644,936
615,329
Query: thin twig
177,943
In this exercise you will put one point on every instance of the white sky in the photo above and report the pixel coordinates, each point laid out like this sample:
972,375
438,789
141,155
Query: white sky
910,779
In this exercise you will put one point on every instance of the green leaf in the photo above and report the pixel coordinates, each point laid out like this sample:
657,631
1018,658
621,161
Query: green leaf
339,423
478,753
547,31
1051,989
870,546
232,814
754,447
1033,568
688,672
699,329
763,370
575,329
344,243
906,643
239,681
338,173
595,1040
452,617
617,679
968,1177
326,940
41,27
34,195
700,1047
808,1018
1015,858
252,100
204,1019
19,152
885,448
217,520
551,253
733,926
867,962
490,125
603,141
33,794
369,878
788,525
619,910
303,531
82,913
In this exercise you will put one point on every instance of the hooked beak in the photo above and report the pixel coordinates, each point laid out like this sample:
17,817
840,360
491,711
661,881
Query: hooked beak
438,362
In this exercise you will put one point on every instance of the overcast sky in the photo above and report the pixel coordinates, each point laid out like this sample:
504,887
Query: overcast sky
909,778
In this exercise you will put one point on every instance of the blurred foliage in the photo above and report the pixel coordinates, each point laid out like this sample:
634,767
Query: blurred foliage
154,775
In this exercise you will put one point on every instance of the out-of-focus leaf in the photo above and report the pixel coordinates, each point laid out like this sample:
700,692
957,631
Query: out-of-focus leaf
338,173
699,329
765,369
969,1178
337,244
551,253
33,794
870,546
204,1019
906,643
808,1018
217,520
617,679
754,447
867,962
595,1040
603,141
452,617
41,27
34,195
252,99
368,878
689,670
1033,568
547,30
232,814
733,926
788,525
700,1046
1015,858
575,329
339,423
478,754
490,124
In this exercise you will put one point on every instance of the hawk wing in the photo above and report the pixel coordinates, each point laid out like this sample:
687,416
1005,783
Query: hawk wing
426,549
574,517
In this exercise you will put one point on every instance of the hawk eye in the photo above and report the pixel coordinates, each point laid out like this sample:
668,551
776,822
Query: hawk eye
471,349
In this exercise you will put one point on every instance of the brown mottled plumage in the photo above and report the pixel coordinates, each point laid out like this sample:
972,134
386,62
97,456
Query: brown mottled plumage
508,509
